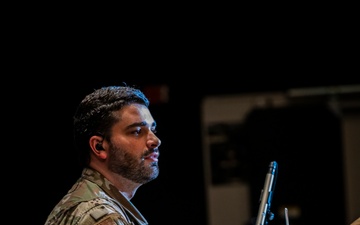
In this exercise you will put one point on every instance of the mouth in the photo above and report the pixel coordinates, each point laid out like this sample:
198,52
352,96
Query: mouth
152,156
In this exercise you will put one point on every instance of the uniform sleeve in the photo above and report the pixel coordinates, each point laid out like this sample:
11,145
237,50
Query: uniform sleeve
112,219
356,222
103,215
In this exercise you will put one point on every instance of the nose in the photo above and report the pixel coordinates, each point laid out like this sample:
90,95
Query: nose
153,140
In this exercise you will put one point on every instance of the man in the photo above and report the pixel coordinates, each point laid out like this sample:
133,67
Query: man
114,133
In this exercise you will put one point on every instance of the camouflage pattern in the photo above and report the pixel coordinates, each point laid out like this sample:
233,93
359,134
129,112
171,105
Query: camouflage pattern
356,222
94,200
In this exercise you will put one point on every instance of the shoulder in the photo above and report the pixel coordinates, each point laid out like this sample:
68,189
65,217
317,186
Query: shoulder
356,222
96,211
100,214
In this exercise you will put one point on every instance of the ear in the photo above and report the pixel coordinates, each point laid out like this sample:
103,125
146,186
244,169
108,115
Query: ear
96,145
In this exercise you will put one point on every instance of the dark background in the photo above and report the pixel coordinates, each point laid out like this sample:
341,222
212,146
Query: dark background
178,195
54,56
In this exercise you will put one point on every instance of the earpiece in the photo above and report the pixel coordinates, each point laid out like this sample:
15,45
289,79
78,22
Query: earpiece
99,146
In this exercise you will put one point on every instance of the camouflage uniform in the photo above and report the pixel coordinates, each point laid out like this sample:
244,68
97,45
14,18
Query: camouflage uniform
356,222
94,200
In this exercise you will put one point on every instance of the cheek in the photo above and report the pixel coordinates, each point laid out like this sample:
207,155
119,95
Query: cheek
132,146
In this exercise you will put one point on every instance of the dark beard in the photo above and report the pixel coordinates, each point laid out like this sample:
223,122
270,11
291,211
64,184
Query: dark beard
134,169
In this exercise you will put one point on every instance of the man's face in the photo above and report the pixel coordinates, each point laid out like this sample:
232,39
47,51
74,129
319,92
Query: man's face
133,148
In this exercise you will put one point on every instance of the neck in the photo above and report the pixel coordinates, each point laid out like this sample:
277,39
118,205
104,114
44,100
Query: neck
127,187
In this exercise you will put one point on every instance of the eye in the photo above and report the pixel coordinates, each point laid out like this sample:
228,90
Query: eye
137,131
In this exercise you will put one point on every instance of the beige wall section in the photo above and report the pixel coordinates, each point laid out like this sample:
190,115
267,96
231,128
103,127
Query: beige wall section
351,144
229,203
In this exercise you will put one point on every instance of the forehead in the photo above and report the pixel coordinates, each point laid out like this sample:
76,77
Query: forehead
135,113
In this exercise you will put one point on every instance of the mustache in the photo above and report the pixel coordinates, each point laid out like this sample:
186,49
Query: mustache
150,151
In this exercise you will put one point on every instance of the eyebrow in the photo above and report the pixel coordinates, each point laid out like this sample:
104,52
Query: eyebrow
141,124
